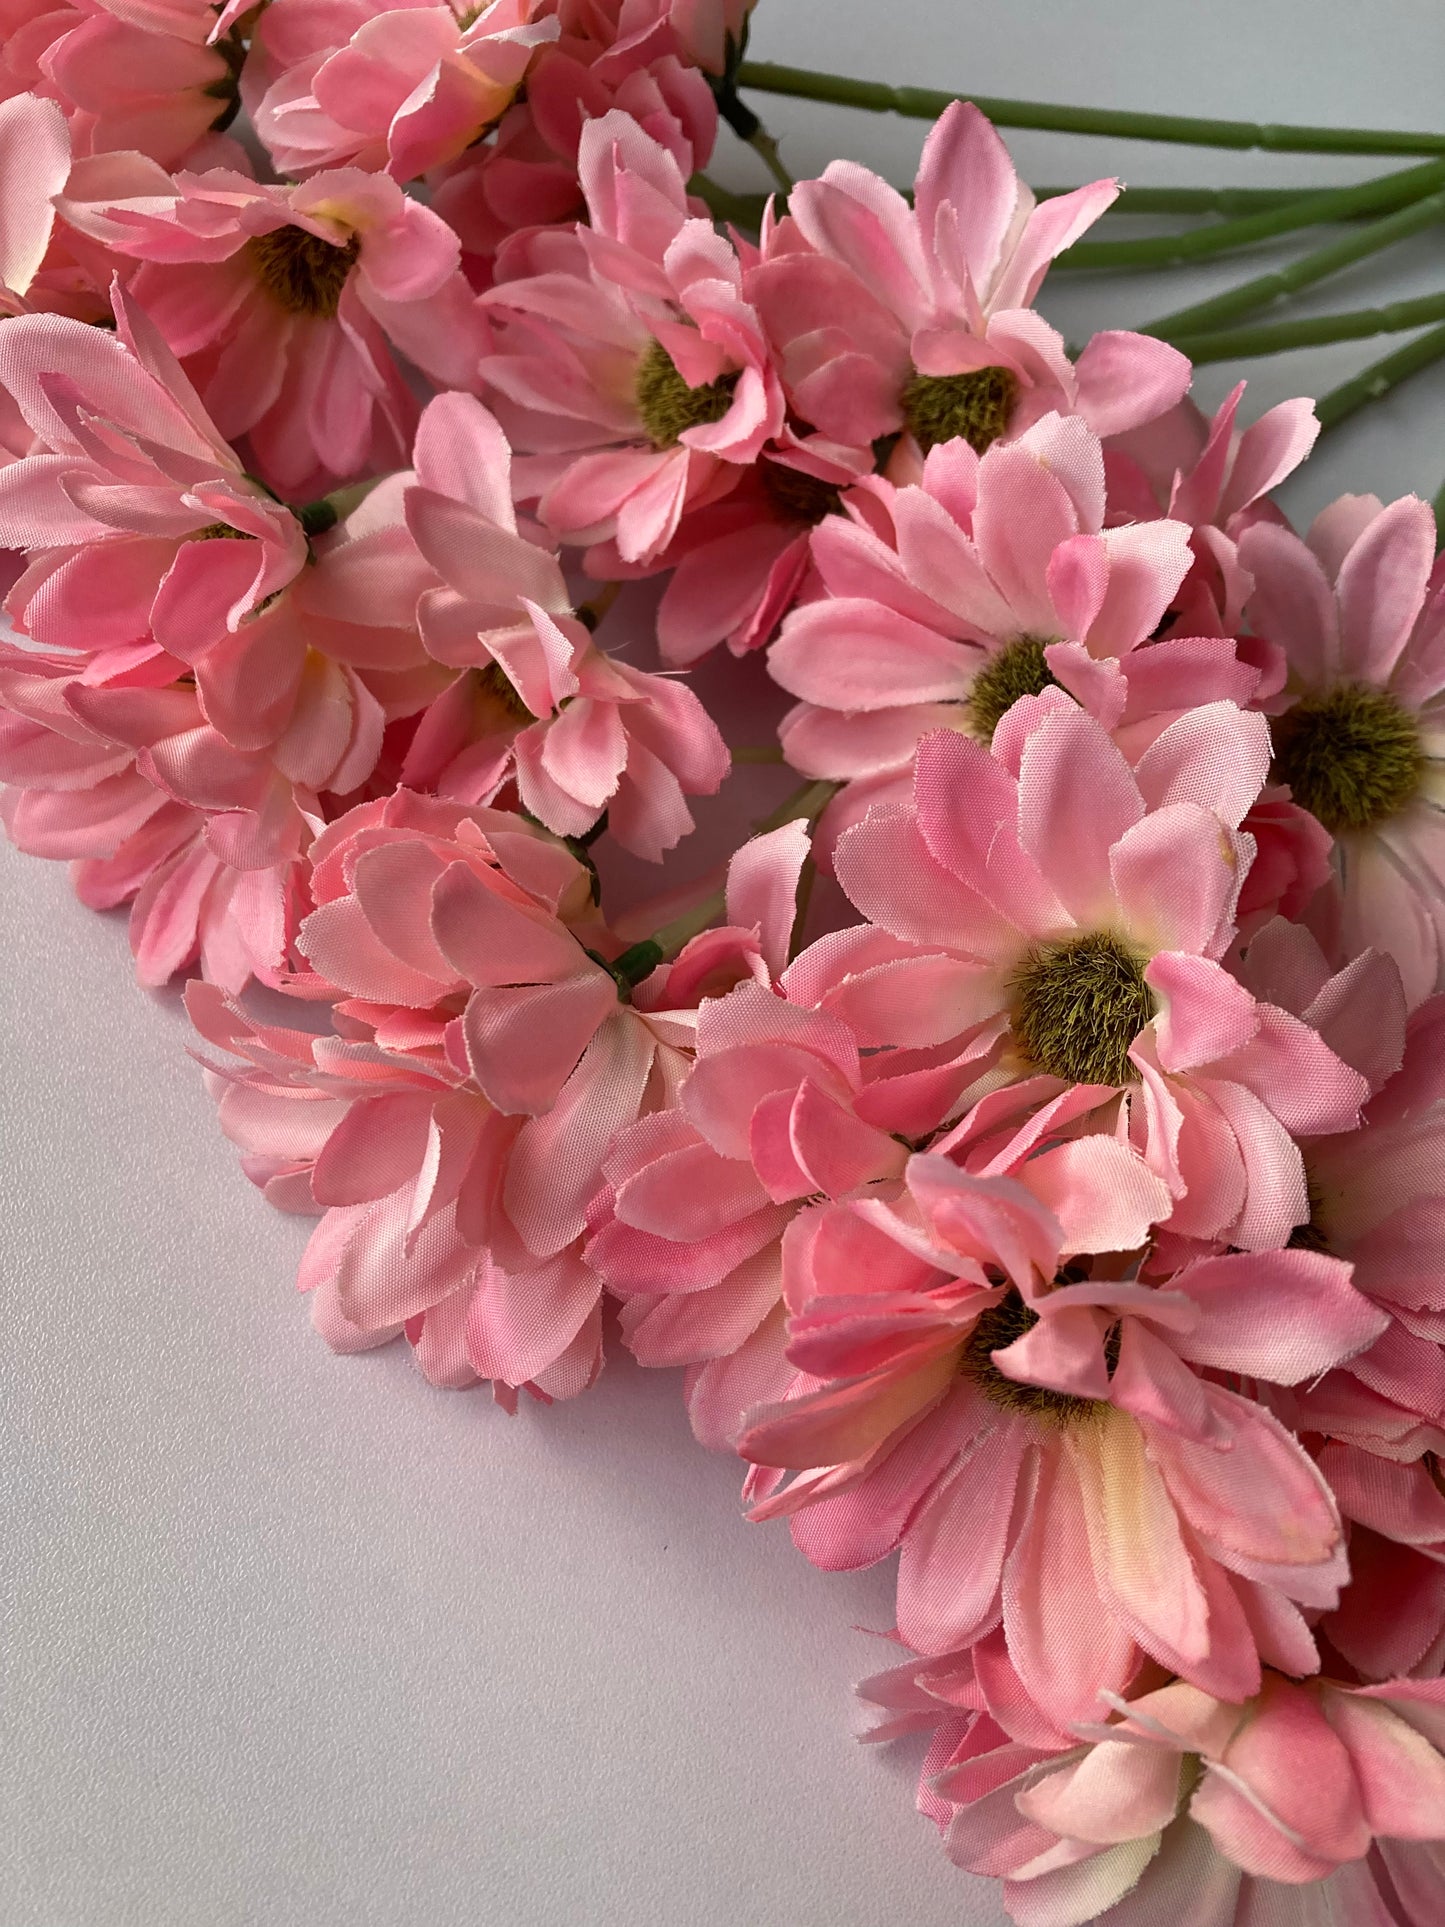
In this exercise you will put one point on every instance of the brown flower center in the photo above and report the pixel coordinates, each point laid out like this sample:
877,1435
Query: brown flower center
1352,757
806,498
497,692
1078,1006
999,1326
302,272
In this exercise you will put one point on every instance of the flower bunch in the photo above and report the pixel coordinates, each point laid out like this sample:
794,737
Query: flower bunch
1057,1204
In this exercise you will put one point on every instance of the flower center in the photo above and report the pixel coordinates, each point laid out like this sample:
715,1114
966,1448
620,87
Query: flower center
999,1326
219,532
1078,1006
975,406
1019,669
804,498
1352,757
496,690
668,406
302,272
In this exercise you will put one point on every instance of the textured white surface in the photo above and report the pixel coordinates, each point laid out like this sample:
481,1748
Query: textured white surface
294,1639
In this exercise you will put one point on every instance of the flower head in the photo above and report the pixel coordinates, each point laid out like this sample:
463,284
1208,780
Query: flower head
452,1125
1091,944
1359,610
629,364
1035,1428
287,303
888,317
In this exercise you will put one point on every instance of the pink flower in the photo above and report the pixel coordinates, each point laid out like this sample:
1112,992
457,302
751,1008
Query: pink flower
887,317
453,1127
1391,1617
629,57
945,599
737,566
1310,1802
581,731
1360,612
179,747
122,499
629,365
1035,1440
125,780
780,1106
1208,472
1374,1193
125,76
286,303
1090,944
394,88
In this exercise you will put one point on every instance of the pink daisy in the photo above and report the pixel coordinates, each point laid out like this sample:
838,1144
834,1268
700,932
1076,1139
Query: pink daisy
286,304
888,317
399,89
944,600
146,78
1309,1803
629,365
1359,609
578,729
1032,1434
1071,936
452,1125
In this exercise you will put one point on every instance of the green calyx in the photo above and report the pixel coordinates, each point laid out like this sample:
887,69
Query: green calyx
1352,757
301,271
1019,669
669,407
974,407
1078,1006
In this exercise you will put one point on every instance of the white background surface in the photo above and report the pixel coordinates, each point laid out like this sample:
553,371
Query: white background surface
296,1639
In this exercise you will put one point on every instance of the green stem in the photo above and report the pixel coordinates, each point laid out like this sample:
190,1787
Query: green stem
1309,210
927,103
1232,344
763,143
746,210
805,805
1205,316
758,753
1194,200
1439,506
1378,379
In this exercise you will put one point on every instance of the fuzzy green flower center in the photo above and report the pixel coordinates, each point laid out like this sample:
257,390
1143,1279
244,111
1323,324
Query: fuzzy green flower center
219,532
975,407
1078,1006
1352,756
804,498
1019,669
668,406
999,1326
302,272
